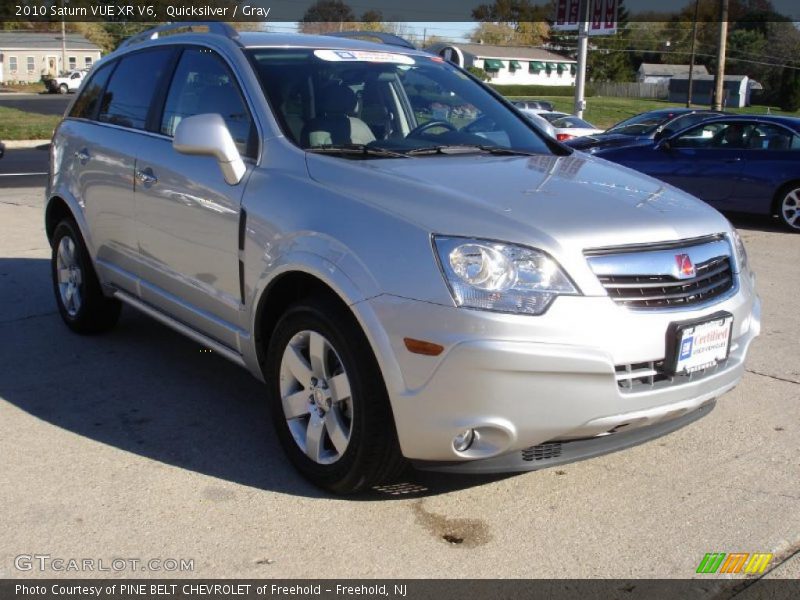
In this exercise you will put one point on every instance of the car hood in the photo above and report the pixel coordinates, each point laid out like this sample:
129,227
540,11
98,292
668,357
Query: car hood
555,202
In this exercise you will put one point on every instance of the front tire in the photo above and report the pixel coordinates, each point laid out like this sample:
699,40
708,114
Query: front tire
79,297
788,207
63,89
328,400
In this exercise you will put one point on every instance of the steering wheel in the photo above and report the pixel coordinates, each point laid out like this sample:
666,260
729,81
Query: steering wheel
430,125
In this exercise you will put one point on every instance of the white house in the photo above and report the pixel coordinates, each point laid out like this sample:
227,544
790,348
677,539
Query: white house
27,56
520,65
737,89
652,73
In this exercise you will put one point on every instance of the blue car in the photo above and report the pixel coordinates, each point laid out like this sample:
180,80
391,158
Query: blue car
643,129
745,164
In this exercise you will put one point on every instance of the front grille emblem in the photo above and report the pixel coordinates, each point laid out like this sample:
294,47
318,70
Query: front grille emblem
685,266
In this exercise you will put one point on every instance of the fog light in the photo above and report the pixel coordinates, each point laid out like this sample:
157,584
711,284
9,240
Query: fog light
464,440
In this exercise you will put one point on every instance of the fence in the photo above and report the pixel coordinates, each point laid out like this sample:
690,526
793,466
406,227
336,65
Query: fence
659,91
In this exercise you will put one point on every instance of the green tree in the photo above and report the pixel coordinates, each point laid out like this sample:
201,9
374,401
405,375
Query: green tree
325,16
511,22
790,91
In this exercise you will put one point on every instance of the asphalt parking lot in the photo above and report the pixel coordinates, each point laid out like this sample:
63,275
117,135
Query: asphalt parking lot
138,444
43,104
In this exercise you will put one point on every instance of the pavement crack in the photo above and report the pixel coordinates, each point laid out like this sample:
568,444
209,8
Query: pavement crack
775,377
27,317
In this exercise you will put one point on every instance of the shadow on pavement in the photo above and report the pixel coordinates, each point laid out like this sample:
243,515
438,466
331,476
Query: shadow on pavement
145,389
768,224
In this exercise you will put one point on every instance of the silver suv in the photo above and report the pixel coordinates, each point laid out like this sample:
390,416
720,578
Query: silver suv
415,271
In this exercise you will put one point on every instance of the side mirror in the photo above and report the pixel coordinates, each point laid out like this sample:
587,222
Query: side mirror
207,135
664,145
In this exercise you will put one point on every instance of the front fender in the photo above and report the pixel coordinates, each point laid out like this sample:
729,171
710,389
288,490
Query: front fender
347,277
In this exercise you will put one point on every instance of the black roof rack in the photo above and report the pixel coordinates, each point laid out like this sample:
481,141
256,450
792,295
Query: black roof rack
215,27
370,36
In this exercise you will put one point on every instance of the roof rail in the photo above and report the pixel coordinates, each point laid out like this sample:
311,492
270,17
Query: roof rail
382,36
216,27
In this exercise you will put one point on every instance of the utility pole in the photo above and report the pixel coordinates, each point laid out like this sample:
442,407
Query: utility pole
63,42
691,60
583,53
723,38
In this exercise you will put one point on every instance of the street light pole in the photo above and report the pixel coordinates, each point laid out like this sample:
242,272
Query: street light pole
691,60
583,53
723,39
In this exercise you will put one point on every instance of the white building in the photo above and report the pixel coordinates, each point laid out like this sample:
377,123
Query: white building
515,65
652,73
26,56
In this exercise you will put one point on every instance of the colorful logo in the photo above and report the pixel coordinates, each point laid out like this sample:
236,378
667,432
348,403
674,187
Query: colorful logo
685,266
735,562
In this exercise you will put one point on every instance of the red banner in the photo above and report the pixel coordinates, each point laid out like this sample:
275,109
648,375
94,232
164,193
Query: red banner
611,14
597,14
561,12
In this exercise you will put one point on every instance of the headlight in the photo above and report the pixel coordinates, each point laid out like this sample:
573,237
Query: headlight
741,252
500,277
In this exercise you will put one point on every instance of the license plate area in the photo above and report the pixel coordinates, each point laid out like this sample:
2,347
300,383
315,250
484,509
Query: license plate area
698,344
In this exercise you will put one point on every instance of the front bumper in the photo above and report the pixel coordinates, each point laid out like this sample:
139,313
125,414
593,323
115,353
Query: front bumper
521,382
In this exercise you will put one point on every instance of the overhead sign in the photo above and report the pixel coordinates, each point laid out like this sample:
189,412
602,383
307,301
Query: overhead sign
602,16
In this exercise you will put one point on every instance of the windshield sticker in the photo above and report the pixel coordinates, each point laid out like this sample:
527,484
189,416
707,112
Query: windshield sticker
363,56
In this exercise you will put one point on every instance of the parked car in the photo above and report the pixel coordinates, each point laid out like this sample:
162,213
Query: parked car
2,149
534,104
643,128
68,82
463,293
738,163
568,126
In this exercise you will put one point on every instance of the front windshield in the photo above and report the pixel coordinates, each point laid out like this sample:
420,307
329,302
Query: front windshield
326,99
640,124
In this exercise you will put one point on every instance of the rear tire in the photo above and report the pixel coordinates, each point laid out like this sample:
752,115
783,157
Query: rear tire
79,297
328,400
63,89
787,205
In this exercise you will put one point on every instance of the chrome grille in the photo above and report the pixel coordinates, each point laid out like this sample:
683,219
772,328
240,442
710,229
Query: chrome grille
712,278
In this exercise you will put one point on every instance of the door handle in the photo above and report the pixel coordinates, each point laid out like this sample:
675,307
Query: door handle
82,156
147,177
732,160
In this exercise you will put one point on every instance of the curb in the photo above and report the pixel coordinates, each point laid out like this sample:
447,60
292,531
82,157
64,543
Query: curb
21,144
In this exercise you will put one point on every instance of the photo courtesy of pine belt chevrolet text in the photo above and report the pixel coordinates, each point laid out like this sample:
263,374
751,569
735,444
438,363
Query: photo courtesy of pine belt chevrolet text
415,271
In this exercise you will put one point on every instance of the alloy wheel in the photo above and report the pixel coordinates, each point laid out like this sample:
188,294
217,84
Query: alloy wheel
790,208
69,275
316,398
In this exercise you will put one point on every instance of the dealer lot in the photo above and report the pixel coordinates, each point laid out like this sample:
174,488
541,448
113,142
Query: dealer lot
141,444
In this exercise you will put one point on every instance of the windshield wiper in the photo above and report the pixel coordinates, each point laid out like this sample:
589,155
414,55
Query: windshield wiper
354,149
468,149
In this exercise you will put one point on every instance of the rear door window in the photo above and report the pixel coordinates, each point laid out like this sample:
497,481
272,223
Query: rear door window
85,106
133,85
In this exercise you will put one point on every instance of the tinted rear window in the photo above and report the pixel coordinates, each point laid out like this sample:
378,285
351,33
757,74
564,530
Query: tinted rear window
85,106
132,87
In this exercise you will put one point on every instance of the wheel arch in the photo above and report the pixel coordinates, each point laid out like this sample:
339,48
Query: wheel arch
295,284
60,206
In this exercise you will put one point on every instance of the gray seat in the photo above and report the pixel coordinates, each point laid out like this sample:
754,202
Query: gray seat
334,125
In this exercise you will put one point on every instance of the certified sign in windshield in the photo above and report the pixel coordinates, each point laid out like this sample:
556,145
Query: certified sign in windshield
363,56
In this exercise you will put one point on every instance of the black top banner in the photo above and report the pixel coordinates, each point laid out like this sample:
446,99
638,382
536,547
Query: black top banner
251,11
